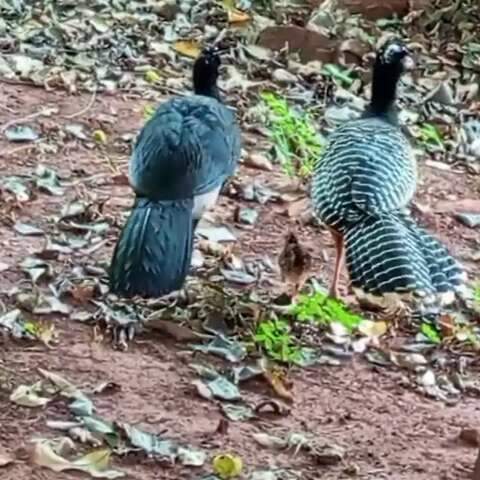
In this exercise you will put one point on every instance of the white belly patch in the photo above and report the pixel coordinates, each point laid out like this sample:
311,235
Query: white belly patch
205,201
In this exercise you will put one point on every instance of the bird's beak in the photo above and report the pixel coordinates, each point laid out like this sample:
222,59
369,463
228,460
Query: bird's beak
408,62
222,50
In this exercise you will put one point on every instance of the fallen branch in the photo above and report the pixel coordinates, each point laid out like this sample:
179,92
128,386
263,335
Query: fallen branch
32,145
476,468
31,116
84,110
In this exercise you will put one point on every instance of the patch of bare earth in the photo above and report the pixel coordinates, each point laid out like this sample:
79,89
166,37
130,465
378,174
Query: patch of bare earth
389,431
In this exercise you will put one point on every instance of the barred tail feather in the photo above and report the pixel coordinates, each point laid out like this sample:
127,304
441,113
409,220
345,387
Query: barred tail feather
153,254
393,255
445,272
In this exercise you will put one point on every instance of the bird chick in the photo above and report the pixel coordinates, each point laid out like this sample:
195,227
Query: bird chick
295,264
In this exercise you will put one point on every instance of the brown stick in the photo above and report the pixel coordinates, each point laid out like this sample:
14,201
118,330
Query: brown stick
476,468
27,118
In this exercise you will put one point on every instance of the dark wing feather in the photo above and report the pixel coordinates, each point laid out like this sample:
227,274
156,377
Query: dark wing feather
188,147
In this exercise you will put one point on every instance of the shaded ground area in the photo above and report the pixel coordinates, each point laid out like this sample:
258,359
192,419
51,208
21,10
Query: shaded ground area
388,430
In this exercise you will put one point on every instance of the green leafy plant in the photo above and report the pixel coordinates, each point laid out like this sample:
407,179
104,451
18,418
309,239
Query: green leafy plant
297,143
338,73
321,309
274,337
430,135
431,332
476,294
148,112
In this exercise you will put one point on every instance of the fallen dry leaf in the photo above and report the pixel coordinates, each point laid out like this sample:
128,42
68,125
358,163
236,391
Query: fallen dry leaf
227,466
94,463
237,16
151,76
277,381
189,48
178,332
5,459
82,294
100,136
270,441
447,325
67,388
372,329
46,333
258,160
458,206
327,454
28,396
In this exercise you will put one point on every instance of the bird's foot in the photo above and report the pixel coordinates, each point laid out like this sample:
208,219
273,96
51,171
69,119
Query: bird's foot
123,334
122,321
125,320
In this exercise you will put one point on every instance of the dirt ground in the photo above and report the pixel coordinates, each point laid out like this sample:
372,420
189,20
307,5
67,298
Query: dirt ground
388,431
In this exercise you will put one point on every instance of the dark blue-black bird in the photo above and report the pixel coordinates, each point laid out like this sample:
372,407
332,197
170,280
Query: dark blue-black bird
181,159
362,186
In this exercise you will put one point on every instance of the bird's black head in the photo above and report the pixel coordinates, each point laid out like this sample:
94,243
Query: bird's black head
392,59
394,55
291,238
206,70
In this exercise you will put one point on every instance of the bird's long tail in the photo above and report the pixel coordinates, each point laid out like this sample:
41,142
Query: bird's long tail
391,254
153,254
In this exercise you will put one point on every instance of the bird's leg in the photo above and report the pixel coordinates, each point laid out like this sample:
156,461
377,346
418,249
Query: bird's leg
339,262
294,289
125,325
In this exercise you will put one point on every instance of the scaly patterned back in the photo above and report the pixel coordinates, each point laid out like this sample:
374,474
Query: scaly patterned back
367,168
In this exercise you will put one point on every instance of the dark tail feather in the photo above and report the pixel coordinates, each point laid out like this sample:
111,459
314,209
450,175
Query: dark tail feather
392,254
153,254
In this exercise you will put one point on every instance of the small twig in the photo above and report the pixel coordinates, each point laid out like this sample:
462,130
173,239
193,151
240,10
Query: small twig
8,370
32,145
84,110
173,91
89,179
220,36
476,468
111,165
90,251
274,405
17,81
26,118
8,109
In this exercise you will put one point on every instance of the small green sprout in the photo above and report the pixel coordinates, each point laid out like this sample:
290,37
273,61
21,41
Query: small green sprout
430,135
432,333
274,337
321,309
297,143
337,73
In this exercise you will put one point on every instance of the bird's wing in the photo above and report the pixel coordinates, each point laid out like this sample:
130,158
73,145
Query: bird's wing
213,133
382,169
158,164
188,147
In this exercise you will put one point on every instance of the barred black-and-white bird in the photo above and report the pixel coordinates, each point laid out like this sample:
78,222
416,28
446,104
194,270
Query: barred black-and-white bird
362,185
182,157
